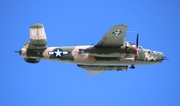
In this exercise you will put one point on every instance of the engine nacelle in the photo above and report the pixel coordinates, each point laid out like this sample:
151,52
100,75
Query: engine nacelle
111,51
31,60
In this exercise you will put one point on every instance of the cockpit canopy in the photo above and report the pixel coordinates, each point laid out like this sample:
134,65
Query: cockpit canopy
140,48
155,52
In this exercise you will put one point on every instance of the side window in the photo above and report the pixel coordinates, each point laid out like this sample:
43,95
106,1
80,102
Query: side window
81,51
151,52
140,48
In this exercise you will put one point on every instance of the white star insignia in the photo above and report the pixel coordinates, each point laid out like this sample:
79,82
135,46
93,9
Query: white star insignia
58,53
116,33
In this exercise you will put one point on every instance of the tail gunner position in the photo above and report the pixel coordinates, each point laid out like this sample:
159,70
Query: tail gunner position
110,53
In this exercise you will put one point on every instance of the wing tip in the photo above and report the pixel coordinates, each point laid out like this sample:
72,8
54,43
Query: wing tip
121,25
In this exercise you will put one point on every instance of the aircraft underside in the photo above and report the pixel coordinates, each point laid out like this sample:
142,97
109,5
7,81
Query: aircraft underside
109,63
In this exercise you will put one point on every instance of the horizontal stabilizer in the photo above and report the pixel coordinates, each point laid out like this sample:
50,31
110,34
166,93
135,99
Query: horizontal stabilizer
32,60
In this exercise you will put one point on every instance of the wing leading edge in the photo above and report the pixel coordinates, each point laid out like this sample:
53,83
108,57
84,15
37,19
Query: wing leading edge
114,37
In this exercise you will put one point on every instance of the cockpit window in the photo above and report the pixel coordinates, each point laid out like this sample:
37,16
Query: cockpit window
81,51
140,48
155,52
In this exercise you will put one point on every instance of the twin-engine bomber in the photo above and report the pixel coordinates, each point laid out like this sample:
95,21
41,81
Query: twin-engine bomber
110,53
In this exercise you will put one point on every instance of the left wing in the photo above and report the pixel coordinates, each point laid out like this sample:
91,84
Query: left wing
114,37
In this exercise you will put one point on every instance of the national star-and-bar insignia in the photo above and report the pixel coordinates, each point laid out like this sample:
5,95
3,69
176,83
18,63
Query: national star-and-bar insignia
57,53
117,32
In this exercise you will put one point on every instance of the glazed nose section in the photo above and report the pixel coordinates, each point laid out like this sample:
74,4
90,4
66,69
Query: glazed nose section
163,56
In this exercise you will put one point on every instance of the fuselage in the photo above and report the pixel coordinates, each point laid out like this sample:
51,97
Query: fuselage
88,55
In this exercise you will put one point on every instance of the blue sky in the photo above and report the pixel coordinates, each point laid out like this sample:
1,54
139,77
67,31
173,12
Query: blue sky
82,22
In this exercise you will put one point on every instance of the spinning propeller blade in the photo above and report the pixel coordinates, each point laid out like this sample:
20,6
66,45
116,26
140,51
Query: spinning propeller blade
136,48
137,40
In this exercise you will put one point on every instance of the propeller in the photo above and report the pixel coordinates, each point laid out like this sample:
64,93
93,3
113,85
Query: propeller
136,48
137,39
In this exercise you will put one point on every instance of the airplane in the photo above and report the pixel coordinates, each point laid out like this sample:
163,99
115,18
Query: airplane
110,53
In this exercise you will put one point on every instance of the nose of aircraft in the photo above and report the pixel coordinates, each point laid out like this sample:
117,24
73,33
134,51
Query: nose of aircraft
161,56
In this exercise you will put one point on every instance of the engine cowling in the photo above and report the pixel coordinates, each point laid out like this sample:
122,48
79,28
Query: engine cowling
31,60
120,51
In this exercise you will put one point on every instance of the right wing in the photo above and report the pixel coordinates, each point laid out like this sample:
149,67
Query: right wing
38,38
114,37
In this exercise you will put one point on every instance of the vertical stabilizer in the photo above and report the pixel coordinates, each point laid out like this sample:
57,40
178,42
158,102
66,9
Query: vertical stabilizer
37,35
